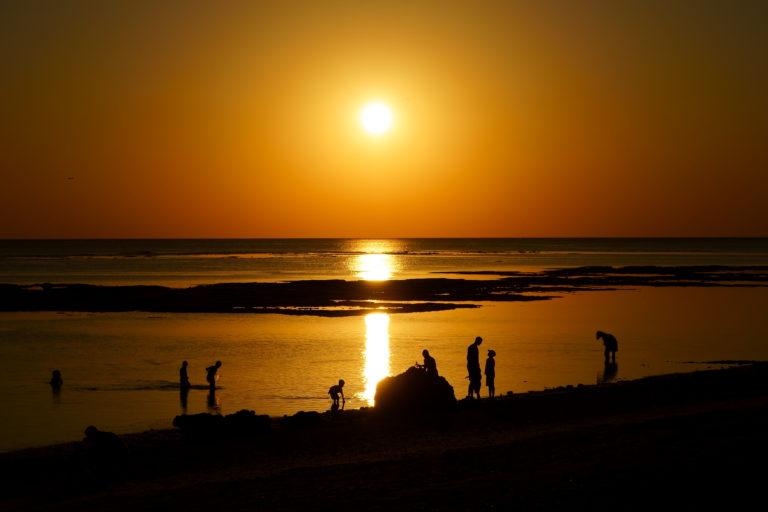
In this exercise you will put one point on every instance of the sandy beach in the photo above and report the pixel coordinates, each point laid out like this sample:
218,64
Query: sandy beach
694,440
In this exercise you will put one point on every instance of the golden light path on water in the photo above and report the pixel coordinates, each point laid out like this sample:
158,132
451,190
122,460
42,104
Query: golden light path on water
374,267
376,353
376,261
375,264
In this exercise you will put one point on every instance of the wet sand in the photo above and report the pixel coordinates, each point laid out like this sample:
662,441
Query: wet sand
684,441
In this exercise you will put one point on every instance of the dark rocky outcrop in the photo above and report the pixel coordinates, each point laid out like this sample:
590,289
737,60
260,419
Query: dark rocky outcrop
243,422
302,419
414,393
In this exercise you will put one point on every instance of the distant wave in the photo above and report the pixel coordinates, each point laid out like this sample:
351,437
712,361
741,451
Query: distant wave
314,248
456,253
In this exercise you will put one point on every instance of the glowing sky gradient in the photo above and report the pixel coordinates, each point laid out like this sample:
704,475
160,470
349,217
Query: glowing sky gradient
240,119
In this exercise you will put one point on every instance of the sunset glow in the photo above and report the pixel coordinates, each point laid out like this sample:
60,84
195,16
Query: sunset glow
426,119
376,118
376,353
374,267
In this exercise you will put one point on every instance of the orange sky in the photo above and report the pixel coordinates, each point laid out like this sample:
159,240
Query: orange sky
239,119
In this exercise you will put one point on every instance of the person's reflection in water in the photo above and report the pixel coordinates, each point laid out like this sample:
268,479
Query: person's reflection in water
610,371
56,380
56,383
214,405
183,395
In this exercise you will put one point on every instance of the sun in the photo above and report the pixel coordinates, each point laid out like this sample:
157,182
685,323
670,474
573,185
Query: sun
376,118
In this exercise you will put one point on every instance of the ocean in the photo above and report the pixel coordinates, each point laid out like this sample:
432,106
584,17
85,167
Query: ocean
181,263
120,370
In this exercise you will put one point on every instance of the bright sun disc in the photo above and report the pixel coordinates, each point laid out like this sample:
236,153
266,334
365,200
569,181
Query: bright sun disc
376,118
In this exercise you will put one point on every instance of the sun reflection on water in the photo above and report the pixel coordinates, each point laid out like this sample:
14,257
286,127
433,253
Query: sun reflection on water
378,259
376,353
374,267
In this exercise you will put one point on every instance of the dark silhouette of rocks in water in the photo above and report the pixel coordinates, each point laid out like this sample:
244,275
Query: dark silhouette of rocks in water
241,423
413,393
346,298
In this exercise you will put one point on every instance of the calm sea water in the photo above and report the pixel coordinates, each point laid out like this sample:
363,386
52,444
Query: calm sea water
182,263
120,370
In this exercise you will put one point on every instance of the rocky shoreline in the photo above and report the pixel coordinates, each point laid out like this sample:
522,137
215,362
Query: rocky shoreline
351,298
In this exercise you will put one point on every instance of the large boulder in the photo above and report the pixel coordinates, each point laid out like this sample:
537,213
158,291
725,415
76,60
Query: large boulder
302,419
414,392
243,422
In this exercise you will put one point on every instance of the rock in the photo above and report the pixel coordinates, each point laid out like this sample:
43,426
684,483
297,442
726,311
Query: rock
414,393
302,419
243,422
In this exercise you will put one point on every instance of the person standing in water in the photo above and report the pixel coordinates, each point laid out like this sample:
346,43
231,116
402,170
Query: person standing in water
183,377
337,391
211,375
490,373
473,367
610,344
56,380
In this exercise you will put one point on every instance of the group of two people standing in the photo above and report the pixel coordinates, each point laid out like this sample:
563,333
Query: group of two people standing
473,367
210,376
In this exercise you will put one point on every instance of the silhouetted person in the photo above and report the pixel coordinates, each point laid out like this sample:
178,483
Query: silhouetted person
490,373
430,365
337,391
210,375
473,367
610,344
56,380
183,377
105,451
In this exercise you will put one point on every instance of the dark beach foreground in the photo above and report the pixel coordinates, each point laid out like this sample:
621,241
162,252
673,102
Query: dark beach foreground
688,441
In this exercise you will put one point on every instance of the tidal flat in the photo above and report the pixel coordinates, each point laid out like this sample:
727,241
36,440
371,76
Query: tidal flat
352,298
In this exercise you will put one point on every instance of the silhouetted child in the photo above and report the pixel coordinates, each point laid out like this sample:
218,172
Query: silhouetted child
183,377
610,343
490,373
56,380
211,375
430,365
337,391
